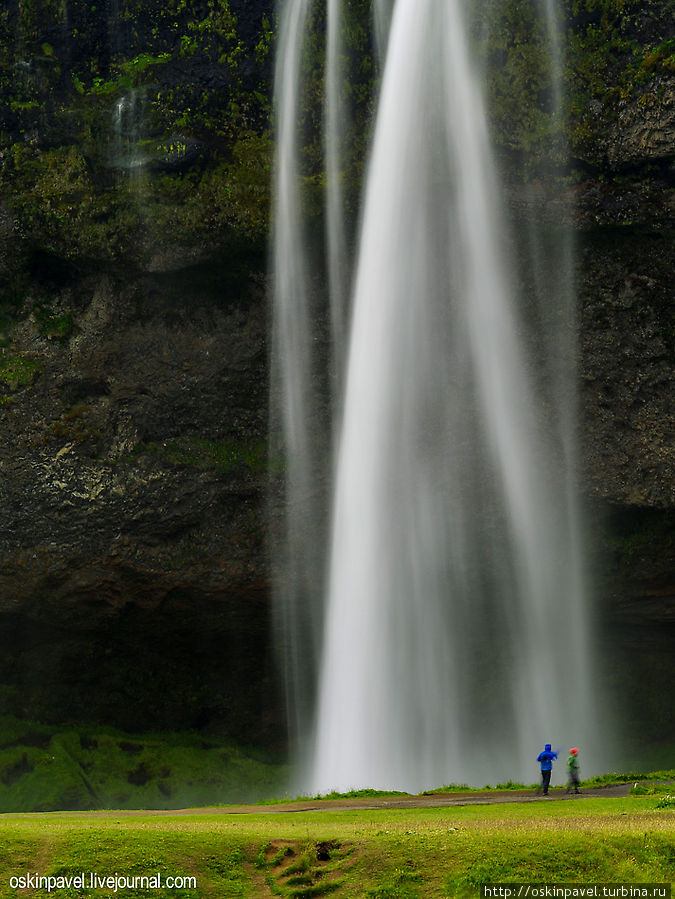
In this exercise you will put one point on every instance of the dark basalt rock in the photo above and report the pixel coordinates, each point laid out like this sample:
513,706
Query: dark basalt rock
134,584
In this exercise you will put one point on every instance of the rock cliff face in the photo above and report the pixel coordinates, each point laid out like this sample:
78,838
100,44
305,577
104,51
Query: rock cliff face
626,218
134,583
134,577
628,473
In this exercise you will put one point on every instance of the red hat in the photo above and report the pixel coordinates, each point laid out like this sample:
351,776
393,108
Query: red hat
574,752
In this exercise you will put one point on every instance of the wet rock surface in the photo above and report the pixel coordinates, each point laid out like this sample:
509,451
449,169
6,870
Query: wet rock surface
645,126
133,574
626,369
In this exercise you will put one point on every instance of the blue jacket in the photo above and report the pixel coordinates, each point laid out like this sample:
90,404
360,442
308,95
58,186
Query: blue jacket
546,758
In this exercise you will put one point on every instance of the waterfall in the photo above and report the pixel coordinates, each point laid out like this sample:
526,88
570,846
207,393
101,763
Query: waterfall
333,148
126,134
382,10
454,637
298,608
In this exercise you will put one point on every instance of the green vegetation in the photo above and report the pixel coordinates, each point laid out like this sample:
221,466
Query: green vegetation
639,543
653,789
519,82
45,768
465,788
360,794
597,781
201,135
360,86
613,54
614,778
17,370
53,325
365,793
73,426
226,457
176,94
390,854
613,59
132,73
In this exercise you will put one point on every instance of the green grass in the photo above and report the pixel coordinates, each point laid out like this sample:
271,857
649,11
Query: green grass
591,782
465,788
627,777
334,794
381,854
653,789
361,794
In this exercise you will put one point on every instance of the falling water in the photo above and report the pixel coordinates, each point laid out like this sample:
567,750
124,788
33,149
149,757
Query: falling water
335,230
299,615
382,10
454,635
126,135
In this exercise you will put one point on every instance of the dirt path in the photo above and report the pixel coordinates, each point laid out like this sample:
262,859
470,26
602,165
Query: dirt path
435,800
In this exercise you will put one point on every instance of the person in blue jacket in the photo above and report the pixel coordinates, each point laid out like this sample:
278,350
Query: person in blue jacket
546,759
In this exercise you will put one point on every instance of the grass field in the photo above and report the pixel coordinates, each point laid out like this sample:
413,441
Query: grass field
381,854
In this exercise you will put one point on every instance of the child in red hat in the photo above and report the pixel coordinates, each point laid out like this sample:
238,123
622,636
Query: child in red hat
573,771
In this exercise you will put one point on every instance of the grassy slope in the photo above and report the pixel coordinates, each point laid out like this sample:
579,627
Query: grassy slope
390,854
46,768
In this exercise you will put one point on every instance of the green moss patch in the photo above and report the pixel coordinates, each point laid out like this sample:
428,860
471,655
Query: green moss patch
226,457
52,324
17,370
